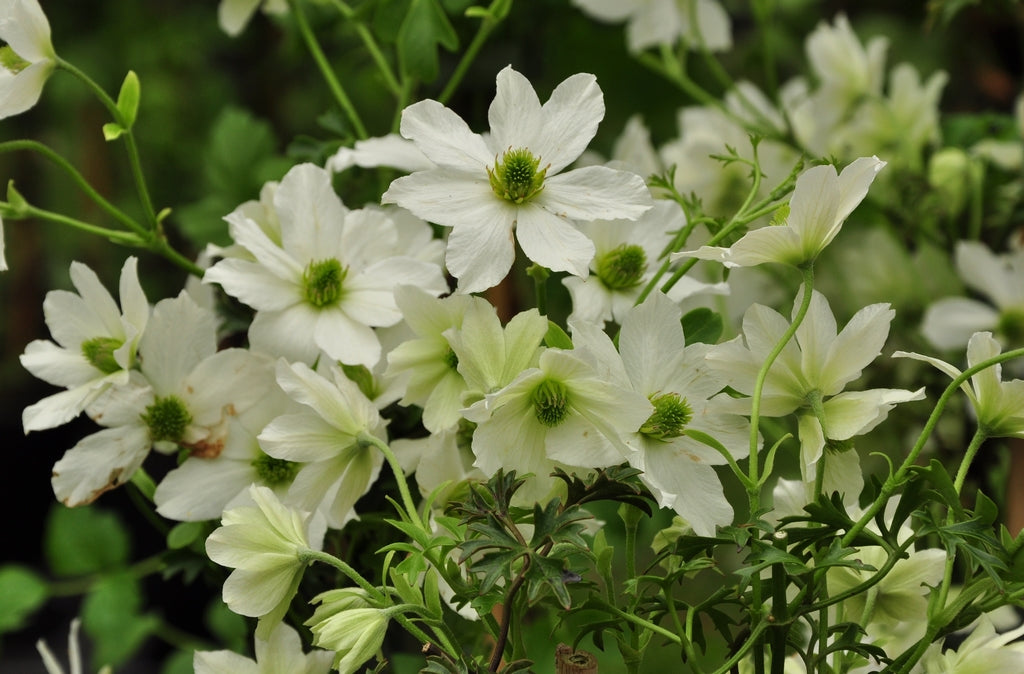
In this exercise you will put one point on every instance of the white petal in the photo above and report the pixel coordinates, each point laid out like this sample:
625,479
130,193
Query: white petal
447,197
691,488
570,119
20,92
859,343
854,182
595,193
233,15
552,242
814,206
444,137
179,336
288,333
950,322
857,412
480,255
255,285
311,214
98,463
344,339
515,114
25,28
199,489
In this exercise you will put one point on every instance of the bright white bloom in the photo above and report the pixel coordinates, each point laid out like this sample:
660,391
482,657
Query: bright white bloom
998,404
821,202
27,59
656,363
325,436
391,151
281,652
663,22
183,395
626,259
484,187
845,68
950,322
329,281
982,651
95,344
234,15
346,623
562,412
74,654
810,374
263,544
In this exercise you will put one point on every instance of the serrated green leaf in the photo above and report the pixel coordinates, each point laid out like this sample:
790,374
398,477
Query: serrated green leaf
84,540
128,99
424,29
702,325
111,618
22,591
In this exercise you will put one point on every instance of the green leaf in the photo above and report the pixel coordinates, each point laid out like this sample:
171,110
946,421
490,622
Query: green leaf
184,533
84,540
179,663
128,99
112,131
556,337
111,618
702,325
22,591
424,28
231,629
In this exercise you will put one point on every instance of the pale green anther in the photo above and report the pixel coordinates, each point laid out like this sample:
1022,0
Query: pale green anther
1011,325
550,402
838,446
623,267
275,472
515,176
322,282
11,62
464,435
167,419
451,359
671,415
99,351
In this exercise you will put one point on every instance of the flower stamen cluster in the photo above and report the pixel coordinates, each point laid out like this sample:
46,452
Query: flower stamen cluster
671,415
167,419
623,267
550,402
515,176
322,282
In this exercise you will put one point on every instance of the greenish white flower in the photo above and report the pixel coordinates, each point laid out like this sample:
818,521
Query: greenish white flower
28,58
697,23
982,652
234,15
998,404
280,653
348,624
264,544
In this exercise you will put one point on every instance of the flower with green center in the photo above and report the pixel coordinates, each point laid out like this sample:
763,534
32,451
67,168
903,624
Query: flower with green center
998,404
484,188
28,59
626,259
96,344
167,419
951,321
550,402
275,472
984,650
330,278
678,469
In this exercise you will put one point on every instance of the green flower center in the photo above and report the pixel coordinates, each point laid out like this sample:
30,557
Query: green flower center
322,281
275,472
1011,325
167,419
515,176
622,267
838,446
99,351
550,402
451,360
464,435
11,62
671,415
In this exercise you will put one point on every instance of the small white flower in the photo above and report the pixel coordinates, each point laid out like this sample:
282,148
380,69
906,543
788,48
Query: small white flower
998,404
664,22
263,543
821,202
95,345
982,651
27,60
328,282
346,623
484,188
281,652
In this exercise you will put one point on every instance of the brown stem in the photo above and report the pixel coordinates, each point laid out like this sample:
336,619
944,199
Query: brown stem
570,661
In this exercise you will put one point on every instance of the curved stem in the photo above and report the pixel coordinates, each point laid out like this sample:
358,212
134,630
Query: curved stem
115,235
487,24
325,69
367,439
371,46
311,555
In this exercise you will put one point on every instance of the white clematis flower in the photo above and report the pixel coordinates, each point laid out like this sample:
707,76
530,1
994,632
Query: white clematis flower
984,650
27,60
234,15
664,22
95,347
821,202
329,281
280,652
484,188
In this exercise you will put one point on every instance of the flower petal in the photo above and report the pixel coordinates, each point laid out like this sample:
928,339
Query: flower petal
552,242
445,138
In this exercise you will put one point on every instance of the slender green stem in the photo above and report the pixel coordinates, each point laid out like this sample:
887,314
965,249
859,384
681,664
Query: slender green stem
540,275
646,624
896,479
115,235
76,177
325,69
371,45
127,135
367,439
488,23
311,555
77,586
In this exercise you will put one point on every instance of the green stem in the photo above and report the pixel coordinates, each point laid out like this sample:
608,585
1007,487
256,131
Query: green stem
77,586
540,275
896,479
127,135
488,23
369,440
309,555
115,235
371,46
325,69
646,624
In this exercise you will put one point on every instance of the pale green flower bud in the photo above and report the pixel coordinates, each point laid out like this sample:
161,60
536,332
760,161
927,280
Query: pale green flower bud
346,622
949,174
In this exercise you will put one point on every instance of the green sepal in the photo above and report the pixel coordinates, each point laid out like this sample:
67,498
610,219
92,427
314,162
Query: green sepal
128,100
702,325
17,206
113,131
556,337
